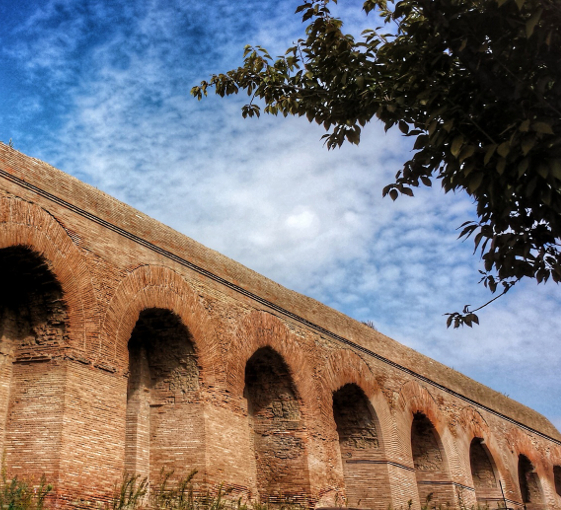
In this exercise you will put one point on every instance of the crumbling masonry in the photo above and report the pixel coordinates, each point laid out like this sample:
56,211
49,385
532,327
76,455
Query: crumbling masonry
126,345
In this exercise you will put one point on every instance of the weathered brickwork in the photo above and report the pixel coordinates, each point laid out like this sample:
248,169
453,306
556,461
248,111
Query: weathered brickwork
125,345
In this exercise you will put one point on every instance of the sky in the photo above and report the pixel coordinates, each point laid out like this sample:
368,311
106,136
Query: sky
100,89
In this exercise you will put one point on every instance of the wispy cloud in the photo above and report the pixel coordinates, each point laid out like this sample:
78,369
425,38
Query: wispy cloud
104,96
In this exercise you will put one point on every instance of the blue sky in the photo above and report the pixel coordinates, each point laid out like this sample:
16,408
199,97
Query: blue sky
100,89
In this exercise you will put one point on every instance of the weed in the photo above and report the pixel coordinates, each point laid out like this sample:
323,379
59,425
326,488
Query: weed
129,493
20,494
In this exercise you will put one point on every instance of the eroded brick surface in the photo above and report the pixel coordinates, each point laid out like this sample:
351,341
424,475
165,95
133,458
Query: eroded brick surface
125,345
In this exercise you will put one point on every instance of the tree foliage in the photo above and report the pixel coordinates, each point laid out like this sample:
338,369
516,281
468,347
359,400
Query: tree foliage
476,82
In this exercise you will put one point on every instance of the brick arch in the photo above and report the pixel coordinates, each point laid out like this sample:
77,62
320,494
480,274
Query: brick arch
28,225
358,423
474,424
151,286
431,451
477,427
485,460
347,367
414,398
530,482
261,329
520,443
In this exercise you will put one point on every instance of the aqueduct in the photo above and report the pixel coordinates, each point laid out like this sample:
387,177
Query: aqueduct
126,345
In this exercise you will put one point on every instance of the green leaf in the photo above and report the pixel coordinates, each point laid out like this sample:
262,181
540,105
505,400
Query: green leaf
426,180
543,170
466,152
432,126
489,153
456,145
475,181
420,142
523,166
462,111
546,196
503,149
532,22
542,127
528,143
501,164
555,166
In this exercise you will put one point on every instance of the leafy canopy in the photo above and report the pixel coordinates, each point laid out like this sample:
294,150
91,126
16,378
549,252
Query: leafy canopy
476,82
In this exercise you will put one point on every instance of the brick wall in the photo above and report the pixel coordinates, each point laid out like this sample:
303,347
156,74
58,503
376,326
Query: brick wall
126,345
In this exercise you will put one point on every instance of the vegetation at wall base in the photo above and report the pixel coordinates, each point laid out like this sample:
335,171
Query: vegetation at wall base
477,83
132,493
23,494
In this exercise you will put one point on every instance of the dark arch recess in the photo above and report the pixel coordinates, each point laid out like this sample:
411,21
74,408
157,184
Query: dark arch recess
277,431
483,473
33,312
530,486
33,323
162,395
433,481
364,470
557,479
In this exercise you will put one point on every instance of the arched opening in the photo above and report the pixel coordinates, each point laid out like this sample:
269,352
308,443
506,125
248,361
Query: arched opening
433,481
557,479
33,313
33,326
277,429
483,473
164,419
364,471
530,486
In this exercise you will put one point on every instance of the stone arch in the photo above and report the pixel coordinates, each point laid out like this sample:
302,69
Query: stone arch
429,456
156,330
33,324
364,470
360,443
345,367
28,225
277,431
530,486
414,398
163,396
55,311
261,329
485,473
158,287
472,421
263,332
